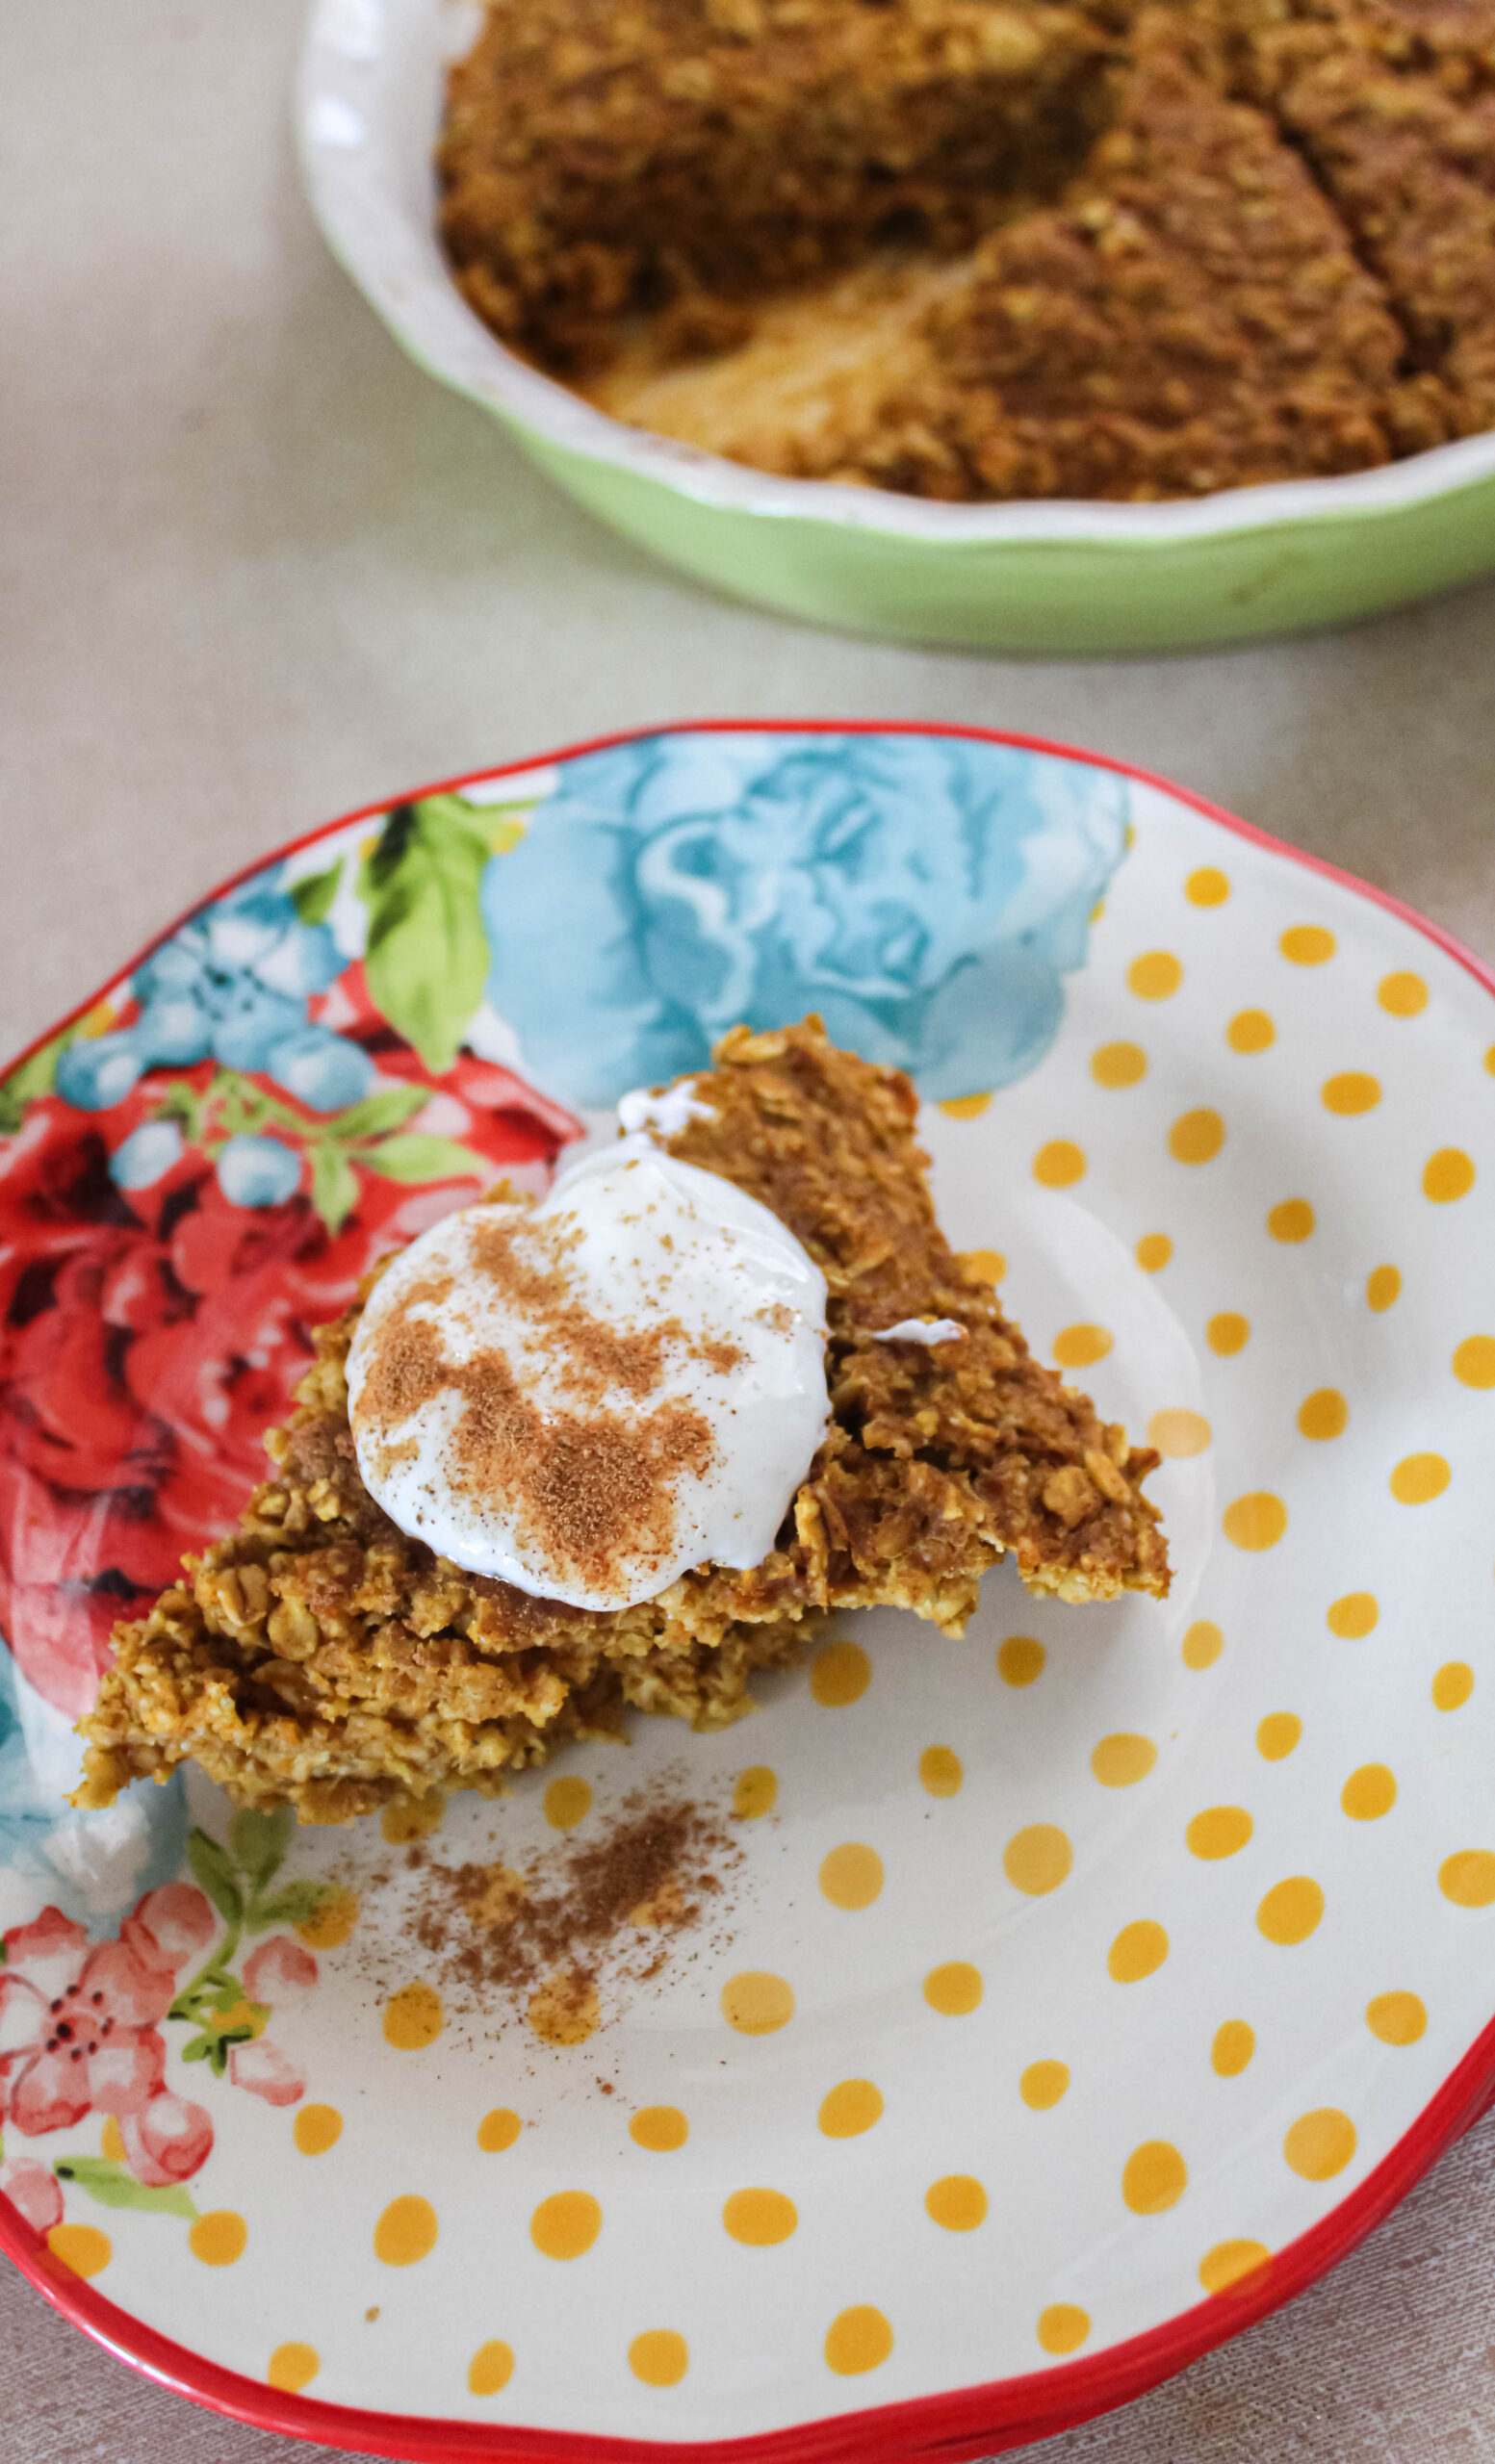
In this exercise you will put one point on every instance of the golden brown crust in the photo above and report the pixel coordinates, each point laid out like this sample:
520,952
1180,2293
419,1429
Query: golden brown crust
320,1658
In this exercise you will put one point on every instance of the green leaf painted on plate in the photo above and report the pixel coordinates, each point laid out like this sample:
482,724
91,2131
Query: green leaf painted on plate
415,1156
113,2187
259,1841
215,1871
313,897
35,1076
334,1185
387,1109
427,956
296,1902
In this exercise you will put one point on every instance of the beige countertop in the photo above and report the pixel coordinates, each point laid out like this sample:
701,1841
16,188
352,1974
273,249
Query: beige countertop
257,570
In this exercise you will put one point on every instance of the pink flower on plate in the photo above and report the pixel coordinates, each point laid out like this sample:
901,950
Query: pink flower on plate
33,2192
266,2071
166,2139
78,2027
170,1926
278,1967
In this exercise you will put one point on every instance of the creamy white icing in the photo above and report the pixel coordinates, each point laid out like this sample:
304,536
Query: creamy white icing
649,1328
662,1116
920,1330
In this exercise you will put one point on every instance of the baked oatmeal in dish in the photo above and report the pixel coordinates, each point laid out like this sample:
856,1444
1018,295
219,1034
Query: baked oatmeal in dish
969,250
324,1656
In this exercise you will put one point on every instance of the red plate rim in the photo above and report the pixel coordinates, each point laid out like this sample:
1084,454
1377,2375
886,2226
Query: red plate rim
962,2422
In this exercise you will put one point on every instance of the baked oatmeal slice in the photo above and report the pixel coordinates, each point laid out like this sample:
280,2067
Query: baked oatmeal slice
318,1656
602,161
1393,102
1191,317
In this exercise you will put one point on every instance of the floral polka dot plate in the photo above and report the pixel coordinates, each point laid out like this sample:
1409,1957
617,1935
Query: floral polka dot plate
1055,2000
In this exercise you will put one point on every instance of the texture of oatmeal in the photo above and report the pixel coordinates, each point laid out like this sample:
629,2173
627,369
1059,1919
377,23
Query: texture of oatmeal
318,1656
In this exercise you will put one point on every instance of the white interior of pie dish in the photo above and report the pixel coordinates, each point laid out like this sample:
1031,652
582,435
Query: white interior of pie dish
368,109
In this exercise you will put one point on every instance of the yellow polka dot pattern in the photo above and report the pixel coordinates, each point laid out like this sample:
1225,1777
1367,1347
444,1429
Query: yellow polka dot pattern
1155,2177
1202,1643
1120,1760
839,1674
755,1793
568,1801
1419,1479
293,2367
490,2369
410,1818
1153,1253
1219,1830
1063,2328
1397,2019
1447,1175
1138,1951
1353,1616
966,1107
1227,1333
406,2231
331,1924
759,2218
1307,944
1350,1092
499,2130
219,2238
1451,1685
659,2357
1207,886
1256,1520
1319,2145
1402,995
1020,1659
850,2108
1467,1878
1081,1347
566,2224
851,1876
1154,976
983,1266
660,2128
1232,2048
317,2128
1474,1361
1323,1414
1196,1137
1369,1792
756,2003
1043,2083
414,2018
1232,2264
1383,1288
1059,1164
940,1771
957,2201
81,2249
1291,1220
1291,1911
954,1989
1178,1433
1277,1734
856,2340
1250,1030
1038,1859
1118,1065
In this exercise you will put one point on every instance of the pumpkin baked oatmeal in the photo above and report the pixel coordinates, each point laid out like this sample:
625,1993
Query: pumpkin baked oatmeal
320,1656
977,252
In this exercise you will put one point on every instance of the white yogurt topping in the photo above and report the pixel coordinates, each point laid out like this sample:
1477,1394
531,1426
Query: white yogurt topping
662,1116
920,1330
635,1380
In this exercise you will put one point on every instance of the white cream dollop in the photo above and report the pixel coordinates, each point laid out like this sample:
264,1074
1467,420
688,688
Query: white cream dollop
920,1330
632,1248
662,1116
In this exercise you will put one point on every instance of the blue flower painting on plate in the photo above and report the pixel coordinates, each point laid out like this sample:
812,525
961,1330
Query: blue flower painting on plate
927,894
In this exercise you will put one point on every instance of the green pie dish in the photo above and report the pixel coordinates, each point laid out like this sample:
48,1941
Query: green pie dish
1055,577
